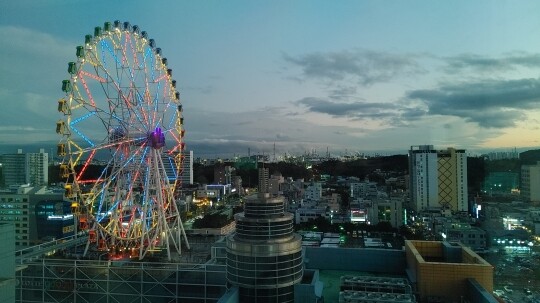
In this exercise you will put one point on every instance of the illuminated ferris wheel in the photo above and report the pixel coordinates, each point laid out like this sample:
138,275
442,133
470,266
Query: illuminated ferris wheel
121,111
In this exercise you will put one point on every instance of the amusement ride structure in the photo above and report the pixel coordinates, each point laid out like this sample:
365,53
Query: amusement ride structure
122,110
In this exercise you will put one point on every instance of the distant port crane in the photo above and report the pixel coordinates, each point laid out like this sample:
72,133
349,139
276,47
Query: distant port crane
121,109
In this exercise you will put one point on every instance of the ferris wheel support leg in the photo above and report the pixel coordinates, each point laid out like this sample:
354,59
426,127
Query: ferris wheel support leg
184,234
88,242
165,226
86,248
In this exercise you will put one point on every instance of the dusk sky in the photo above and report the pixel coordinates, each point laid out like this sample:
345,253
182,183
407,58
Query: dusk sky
355,76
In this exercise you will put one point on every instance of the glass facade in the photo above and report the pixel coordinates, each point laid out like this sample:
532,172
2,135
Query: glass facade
264,255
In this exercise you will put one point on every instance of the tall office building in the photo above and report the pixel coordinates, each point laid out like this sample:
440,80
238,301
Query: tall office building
438,178
187,168
13,168
274,184
452,176
223,174
530,182
37,168
185,174
21,168
264,255
263,180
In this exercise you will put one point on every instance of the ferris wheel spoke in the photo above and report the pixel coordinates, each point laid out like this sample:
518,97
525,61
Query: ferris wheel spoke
105,46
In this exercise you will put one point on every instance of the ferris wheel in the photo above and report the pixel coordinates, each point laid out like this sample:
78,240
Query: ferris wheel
122,143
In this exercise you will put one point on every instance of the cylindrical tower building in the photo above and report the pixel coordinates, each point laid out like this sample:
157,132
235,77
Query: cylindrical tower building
264,255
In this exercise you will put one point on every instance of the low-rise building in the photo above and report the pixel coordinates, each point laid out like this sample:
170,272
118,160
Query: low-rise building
387,210
441,270
470,236
18,207
304,214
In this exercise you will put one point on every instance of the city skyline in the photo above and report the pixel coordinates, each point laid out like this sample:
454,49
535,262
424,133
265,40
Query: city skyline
366,76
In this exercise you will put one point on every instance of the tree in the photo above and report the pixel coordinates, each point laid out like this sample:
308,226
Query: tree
216,220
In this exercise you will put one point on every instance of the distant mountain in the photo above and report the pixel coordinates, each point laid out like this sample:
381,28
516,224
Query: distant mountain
28,148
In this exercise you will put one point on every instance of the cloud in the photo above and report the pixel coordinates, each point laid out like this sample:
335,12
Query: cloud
34,66
284,137
342,92
392,114
361,66
492,64
490,103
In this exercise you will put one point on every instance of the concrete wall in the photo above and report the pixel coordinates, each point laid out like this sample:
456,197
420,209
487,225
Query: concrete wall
309,290
476,293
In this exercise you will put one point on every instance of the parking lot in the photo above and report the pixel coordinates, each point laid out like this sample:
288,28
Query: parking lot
517,274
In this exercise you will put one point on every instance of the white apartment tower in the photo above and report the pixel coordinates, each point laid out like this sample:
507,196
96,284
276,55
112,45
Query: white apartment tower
21,168
438,178
530,182
187,168
423,177
37,168
185,172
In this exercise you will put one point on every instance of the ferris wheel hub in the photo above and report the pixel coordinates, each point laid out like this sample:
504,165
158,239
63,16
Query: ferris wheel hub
156,138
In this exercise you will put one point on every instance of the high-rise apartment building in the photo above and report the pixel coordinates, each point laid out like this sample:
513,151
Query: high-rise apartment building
438,178
274,184
263,180
37,168
13,168
29,168
423,177
530,182
185,174
187,168
223,174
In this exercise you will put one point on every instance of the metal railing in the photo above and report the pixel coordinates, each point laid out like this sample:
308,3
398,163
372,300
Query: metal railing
34,252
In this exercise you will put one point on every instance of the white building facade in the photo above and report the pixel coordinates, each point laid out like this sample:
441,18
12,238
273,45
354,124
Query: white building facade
438,178
530,182
423,177
37,168
313,192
